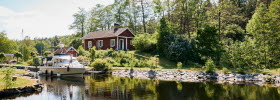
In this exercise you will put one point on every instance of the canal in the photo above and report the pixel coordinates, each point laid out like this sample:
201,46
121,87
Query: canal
117,88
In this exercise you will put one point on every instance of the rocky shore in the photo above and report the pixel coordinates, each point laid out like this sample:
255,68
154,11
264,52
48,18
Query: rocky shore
200,76
18,91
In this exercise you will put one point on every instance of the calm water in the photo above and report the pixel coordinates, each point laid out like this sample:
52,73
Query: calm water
108,87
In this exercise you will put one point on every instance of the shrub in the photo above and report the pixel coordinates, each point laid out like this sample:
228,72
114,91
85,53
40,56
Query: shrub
82,51
83,59
30,62
240,71
36,62
8,73
145,42
225,70
181,49
103,53
2,56
92,53
100,64
209,66
179,65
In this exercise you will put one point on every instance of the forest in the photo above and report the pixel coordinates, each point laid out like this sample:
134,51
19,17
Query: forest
237,34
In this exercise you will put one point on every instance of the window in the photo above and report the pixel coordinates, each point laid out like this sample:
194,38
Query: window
112,42
130,42
89,44
100,43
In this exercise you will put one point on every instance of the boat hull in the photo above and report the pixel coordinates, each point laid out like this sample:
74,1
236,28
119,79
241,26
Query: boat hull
63,71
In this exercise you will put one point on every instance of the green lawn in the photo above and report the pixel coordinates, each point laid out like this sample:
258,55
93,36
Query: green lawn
20,82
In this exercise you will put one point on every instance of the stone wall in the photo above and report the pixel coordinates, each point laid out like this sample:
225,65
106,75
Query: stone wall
198,76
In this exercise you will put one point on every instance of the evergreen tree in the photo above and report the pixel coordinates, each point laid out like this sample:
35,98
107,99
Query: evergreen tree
163,33
274,33
208,44
258,28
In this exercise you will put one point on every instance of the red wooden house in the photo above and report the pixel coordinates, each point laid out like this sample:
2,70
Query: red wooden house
117,38
67,50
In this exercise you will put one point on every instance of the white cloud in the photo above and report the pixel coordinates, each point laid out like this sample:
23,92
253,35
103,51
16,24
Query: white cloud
51,18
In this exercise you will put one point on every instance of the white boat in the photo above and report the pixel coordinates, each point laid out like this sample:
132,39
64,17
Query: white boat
63,65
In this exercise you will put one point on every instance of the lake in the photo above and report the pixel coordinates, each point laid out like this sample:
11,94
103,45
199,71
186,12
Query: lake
117,88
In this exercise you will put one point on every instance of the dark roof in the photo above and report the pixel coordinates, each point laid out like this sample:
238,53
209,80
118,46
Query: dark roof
104,34
63,50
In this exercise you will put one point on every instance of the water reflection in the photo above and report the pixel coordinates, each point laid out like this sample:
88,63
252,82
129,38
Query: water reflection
107,87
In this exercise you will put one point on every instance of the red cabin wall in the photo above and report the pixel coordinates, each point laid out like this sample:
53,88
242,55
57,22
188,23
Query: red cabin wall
106,41
127,33
74,53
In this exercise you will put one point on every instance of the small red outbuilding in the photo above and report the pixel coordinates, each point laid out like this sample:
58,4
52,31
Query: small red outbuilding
67,50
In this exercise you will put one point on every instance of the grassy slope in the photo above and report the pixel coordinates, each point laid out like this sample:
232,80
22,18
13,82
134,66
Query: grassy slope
165,64
20,82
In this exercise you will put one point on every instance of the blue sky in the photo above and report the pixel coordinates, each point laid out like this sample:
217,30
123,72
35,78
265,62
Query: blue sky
41,18
20,5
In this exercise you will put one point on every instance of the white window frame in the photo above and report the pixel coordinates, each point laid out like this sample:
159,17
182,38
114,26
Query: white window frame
89,44
99,45
112,40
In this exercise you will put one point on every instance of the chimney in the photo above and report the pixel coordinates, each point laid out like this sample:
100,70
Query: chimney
116,27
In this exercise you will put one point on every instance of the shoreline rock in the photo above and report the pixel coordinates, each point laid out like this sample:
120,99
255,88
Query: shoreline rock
200,76
20,90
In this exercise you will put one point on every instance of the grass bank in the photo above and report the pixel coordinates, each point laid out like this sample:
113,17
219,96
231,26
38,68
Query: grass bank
20,82
166,64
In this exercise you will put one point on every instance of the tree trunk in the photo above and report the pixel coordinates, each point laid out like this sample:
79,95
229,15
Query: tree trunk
143,15
82,29
219,19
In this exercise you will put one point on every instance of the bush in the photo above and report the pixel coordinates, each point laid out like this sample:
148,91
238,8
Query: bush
179,65
181,49
100,64
82,51
145,42
83,60
209,66
8,73
225,70
30,62
36,62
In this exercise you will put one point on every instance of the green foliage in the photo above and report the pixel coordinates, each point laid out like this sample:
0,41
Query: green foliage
76,43
145,42
100,64
8,73
265,30
162,36
82,51
181,48
179,65
40,46
92,53
2,56
80,21
225,70
209,66
208,43
83,59
36,61
6,45
242,54
18,55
